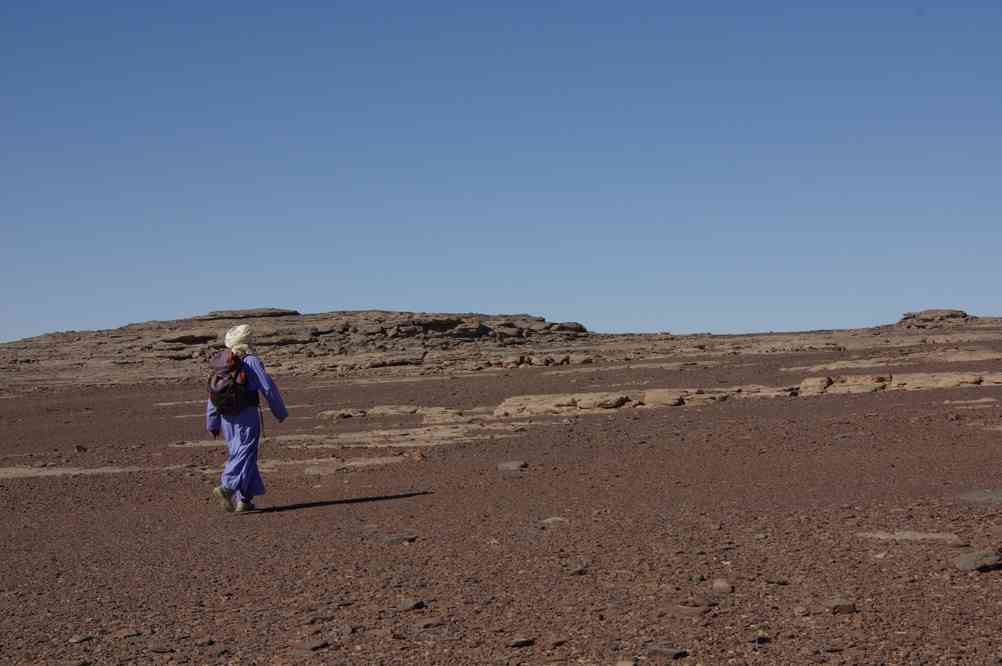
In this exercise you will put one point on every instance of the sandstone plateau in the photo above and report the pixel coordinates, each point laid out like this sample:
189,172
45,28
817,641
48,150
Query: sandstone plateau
472,489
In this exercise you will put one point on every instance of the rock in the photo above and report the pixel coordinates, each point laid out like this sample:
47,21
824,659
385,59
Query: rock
513,466
581,359
80,638
205,642
122,634
664,397
685,610
552,522
191,338
666,651
429,623
393,410
507,332
521,643
398,539
409,604
251,313
340,414
988,559
701,397
80,449
568,327
722,586
397,360
919,381
801,611
311,645
601,400
849,384
627,662
559,403
814,386
840,606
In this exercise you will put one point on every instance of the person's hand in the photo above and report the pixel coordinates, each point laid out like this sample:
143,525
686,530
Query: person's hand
215,433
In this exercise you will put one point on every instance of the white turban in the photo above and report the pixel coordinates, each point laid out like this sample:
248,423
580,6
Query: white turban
238,339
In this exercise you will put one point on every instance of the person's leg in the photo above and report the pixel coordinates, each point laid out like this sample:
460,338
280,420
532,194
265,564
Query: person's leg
225,491
242,474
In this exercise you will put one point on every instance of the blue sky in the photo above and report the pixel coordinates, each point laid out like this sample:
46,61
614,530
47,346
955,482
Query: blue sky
721,166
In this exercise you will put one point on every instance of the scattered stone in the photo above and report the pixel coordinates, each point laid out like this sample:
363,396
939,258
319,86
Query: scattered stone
397,539
122,634
522,643
761,638
841,606
430,623
80,449
160,648
311,645
552,522
205,642
722,586
410,604
801,611
987,559
686,610
76,640
666,651
627,662
513,466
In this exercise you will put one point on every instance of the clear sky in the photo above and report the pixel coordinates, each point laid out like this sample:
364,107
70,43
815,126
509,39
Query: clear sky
715,166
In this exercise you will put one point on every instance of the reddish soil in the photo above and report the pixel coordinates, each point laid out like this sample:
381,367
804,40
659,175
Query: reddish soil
648,508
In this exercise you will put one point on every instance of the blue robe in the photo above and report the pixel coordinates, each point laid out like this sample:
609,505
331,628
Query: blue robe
243,432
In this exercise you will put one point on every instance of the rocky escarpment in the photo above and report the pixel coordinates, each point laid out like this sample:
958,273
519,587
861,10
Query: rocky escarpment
377,342
337,343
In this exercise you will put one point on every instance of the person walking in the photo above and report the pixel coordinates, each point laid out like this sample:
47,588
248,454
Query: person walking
235,411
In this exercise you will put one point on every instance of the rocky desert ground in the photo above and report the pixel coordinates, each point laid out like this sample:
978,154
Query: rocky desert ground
474,489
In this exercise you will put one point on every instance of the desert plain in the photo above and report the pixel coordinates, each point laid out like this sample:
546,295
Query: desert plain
500,489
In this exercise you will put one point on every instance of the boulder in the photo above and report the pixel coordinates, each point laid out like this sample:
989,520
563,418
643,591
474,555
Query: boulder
814,385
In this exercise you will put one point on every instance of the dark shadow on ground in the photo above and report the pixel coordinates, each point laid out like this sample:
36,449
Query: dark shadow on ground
351,500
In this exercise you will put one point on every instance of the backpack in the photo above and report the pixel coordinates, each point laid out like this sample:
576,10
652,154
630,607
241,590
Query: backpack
228,384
